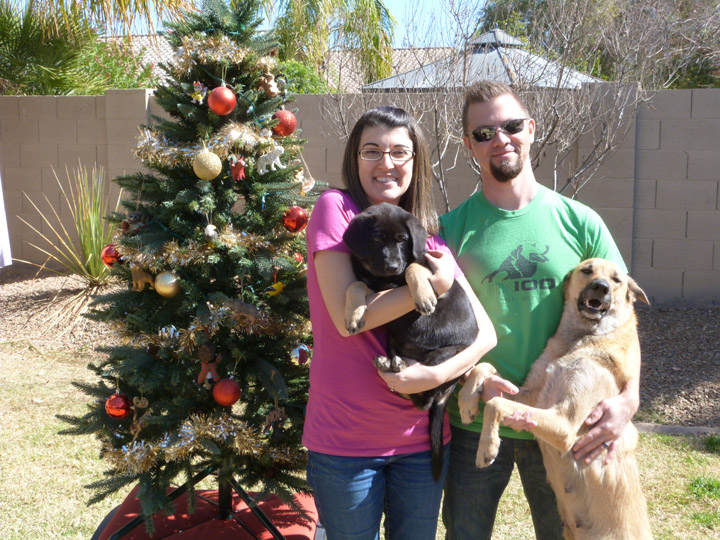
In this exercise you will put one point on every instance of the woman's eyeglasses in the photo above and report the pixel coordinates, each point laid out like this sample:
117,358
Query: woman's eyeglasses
487,133
397,155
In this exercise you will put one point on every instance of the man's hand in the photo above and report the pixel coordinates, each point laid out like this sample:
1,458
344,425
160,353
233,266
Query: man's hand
608,421
443,271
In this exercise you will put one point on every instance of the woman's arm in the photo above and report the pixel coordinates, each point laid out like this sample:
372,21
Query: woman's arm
335,274
418,377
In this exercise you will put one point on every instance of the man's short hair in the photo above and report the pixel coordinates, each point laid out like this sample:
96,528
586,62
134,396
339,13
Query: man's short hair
483,91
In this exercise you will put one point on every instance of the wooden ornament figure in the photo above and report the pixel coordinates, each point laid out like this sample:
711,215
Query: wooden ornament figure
209,361
140,277
268,84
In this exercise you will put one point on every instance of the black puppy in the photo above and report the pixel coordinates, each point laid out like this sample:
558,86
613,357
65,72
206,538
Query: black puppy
388,250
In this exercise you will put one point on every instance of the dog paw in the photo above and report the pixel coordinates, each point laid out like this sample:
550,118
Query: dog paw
426,304
398,364
487,452
356,321
469,407
382,363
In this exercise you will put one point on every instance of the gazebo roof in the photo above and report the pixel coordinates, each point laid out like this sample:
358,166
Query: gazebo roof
495,55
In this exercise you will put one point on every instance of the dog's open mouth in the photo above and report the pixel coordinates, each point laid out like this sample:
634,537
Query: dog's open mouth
591,307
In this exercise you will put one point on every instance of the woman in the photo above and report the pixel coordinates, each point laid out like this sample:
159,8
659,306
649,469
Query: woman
369,448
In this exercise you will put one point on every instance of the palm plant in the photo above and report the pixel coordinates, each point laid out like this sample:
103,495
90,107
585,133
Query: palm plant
34,53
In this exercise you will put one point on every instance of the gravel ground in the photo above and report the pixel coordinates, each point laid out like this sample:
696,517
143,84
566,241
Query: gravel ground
680,382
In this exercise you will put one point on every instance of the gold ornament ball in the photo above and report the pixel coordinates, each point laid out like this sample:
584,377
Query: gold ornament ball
207,165
166,284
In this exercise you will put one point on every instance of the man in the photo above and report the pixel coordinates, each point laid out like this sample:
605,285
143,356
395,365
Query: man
516,240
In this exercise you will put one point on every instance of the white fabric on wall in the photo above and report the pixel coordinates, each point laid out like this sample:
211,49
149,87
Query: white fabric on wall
5,256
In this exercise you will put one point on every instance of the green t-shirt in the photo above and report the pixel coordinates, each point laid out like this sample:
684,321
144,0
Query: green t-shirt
515,261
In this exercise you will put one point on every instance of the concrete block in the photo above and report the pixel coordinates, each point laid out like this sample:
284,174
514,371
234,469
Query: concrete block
22,179
683,254
73,154
669,224
621,163
38,107
92,131
661,164
647,135
618,220
127,104
660,283
701,285
9,154
121,157
52,130
39,155
100,107
716,257
19,131
9,107
13,200
703,165
122,131
703,225
698,134
642,251
645,193
625,245
102,156
316,159
705,103
696,195
608,192
77,108
667,104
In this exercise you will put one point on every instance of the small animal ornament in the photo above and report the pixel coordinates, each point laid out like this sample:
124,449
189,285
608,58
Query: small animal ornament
271,160
198,93
133,223
209,361
140,277
268,84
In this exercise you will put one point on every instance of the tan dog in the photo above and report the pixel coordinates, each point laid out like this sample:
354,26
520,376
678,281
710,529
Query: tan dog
590,358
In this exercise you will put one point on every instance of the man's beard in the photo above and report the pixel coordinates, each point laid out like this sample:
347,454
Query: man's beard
507,170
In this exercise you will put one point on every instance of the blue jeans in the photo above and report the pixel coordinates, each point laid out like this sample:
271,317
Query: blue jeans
351,494
472,495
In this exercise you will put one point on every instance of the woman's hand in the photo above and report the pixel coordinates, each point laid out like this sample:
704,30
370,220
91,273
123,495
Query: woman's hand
443,271
416,378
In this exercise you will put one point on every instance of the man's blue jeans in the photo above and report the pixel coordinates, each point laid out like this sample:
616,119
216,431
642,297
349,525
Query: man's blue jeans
472,495
351,494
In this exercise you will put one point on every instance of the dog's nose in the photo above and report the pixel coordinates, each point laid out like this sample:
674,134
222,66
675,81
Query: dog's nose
600,285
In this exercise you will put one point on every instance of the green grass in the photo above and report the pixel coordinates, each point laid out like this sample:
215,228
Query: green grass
42,473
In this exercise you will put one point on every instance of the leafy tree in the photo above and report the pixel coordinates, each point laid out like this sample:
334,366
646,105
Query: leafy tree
213,248
301,79
308,29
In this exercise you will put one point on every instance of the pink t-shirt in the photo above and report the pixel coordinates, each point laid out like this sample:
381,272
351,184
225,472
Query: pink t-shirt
351,411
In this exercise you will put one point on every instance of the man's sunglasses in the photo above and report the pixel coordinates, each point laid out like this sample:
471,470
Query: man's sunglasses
487,133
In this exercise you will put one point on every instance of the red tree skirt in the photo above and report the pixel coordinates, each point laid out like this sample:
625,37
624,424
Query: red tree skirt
203,523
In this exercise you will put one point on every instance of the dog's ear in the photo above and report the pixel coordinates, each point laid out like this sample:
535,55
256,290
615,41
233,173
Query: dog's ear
357,234
418,236
635,292
566,282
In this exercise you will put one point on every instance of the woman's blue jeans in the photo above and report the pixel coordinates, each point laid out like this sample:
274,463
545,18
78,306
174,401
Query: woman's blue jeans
472,495
351,494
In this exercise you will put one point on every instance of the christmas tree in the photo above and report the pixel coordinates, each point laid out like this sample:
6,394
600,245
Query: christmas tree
212,374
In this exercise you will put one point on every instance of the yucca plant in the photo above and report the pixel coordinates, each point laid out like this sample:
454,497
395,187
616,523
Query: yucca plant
76,250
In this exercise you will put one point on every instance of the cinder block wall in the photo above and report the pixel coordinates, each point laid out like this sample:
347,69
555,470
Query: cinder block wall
659,193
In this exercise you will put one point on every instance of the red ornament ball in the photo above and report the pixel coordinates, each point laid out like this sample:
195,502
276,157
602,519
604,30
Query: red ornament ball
287,123
118,406
222,100
109,255
226,392
295,219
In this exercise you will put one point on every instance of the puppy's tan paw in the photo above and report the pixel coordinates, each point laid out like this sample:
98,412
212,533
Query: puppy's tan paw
355,322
